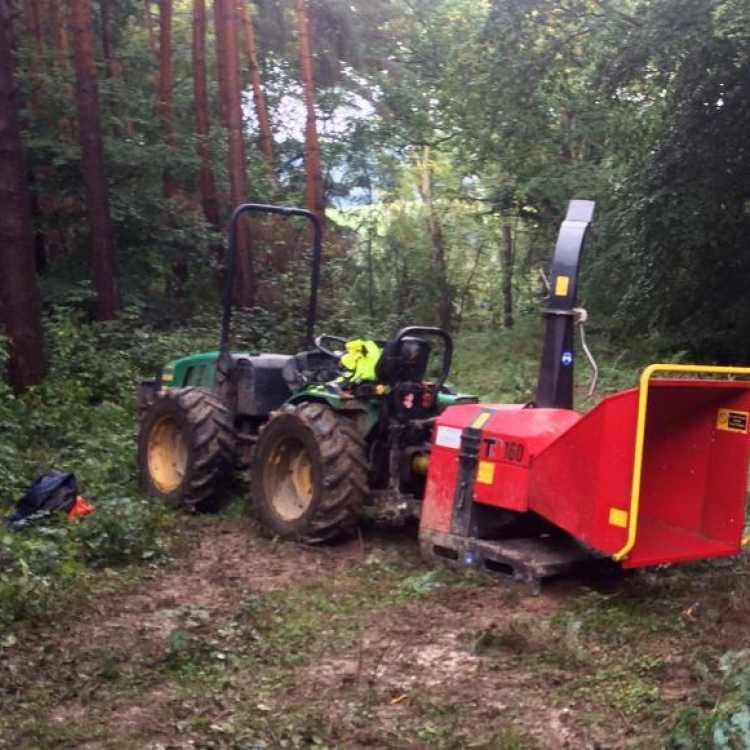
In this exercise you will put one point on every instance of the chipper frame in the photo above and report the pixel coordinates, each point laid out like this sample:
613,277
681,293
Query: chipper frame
652,475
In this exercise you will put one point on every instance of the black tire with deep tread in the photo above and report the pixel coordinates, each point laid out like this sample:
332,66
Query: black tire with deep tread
206,425
339,472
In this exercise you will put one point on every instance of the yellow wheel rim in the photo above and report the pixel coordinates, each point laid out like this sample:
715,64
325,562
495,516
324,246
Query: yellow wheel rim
287,479
167,455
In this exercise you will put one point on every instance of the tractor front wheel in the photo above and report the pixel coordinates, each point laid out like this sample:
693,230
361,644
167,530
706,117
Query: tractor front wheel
309,475
186,448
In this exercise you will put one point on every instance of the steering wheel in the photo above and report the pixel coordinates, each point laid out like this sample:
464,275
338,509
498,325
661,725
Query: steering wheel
336,354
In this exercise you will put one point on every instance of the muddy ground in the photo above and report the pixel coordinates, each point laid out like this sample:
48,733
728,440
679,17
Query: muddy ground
243,642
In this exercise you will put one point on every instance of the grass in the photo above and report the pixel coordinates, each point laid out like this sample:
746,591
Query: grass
502,366
322,663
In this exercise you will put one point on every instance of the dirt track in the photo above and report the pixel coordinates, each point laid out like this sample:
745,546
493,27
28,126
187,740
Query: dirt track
242,642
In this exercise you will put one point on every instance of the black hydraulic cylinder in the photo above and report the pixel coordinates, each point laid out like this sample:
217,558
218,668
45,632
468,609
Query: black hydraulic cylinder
555,385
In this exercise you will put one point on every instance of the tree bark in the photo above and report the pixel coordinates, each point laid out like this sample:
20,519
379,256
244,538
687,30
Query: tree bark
106,14
33,18
221,64
264,127
166,88
56,34
314,195
507,257
103,256
567,125
209,199
33,14
19,293
244,291
445,291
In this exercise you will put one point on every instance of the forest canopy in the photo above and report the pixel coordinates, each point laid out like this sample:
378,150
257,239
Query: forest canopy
440,141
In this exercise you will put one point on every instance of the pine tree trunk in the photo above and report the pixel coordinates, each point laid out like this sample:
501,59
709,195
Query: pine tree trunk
56,34
33,19
106,14
19,293
440,264
244,292
264,127
221,63
33,14
103,256
567,124
507,255
313,172
166,88
209,199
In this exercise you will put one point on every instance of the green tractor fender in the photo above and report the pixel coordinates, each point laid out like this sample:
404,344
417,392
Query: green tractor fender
366,413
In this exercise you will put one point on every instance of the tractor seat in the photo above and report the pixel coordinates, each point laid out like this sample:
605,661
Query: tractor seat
403,361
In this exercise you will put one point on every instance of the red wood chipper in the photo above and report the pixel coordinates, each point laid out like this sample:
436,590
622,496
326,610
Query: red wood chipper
652,475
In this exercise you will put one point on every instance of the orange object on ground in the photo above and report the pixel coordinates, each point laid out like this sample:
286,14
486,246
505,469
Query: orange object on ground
80,509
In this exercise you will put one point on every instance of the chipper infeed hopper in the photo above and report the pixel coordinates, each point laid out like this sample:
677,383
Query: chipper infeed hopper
652,475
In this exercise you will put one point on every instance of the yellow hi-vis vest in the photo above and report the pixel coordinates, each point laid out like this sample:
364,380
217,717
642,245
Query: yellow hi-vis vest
361,359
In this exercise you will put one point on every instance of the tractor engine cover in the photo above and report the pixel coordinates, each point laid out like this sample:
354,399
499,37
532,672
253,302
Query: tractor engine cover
260,385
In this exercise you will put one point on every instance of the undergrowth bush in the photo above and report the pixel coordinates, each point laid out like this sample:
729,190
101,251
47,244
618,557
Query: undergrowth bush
82,419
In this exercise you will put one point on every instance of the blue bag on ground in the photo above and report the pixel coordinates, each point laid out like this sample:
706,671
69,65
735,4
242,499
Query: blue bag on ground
51,492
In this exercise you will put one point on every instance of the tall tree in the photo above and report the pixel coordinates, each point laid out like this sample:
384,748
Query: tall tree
106,18
103,257
56,33
209,199
166,87
19,293
33,13
244,290
221,63
507,259
314,195
437,236
259,99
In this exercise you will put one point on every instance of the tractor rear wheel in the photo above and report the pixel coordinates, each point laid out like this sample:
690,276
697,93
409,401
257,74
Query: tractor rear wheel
186,448
309,474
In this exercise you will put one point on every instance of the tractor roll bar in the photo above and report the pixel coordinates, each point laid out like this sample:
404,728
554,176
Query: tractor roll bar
232,262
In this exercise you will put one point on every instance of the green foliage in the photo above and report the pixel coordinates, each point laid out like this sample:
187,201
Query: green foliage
35,573
82,419
727,726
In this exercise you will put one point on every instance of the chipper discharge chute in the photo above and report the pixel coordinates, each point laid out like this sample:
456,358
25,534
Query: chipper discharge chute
652,475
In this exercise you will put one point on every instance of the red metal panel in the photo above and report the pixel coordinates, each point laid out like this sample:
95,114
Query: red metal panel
577,471
511,436
519,435
694,482
437,506
510,488
587,471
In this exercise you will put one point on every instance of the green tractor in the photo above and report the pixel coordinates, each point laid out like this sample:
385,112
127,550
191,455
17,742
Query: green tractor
346,423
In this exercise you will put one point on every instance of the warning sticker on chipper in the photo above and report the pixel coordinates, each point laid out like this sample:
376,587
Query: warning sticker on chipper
448,437
732,421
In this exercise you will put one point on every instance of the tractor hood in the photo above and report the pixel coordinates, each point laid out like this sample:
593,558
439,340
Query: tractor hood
196,369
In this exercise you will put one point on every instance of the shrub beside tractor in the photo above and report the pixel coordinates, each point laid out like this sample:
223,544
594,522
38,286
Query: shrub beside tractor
649,476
